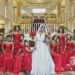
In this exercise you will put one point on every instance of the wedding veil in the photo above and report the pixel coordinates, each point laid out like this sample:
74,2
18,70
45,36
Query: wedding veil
46,29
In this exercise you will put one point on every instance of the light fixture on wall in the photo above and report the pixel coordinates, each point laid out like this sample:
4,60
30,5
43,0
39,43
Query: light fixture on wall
38,10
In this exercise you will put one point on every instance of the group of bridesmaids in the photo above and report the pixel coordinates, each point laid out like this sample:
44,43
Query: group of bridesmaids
63,51
15,53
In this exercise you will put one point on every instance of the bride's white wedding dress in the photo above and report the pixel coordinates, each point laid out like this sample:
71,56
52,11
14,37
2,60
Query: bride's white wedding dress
42,63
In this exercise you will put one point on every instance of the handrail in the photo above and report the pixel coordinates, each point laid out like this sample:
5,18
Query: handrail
27,28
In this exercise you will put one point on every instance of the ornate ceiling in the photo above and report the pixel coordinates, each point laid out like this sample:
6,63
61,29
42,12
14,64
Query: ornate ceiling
28,5
39,1
53,7
50,5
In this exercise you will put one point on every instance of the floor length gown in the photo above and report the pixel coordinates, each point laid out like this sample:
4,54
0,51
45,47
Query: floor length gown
1,57
58,58
69,49
42,62
17,39
62,43
27,58
17,57
69,54
8,59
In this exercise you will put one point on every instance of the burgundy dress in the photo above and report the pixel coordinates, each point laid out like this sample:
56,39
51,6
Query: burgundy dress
22,51
27,59
8,58
69,55
17,39
18,60
62,43
69,49
57,57
71,61
1,57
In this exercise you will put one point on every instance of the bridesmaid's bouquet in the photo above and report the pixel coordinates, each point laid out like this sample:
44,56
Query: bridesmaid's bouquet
32,33
31,43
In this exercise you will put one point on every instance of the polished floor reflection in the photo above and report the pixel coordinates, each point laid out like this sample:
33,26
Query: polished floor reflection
66,73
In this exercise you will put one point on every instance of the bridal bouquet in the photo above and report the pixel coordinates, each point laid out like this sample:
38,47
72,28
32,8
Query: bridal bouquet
47,37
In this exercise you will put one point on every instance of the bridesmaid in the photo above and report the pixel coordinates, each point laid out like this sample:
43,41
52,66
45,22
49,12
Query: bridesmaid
69,50
57,57
69,46
62,46
1,54
27,59
19,58
8,55
16,39
61,40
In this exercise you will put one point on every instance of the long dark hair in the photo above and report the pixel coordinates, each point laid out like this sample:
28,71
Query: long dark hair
69,38
18,28
62,29
8,36
53,38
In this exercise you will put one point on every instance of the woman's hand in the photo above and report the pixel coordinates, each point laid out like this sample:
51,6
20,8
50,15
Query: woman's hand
45,42
34,48
22,54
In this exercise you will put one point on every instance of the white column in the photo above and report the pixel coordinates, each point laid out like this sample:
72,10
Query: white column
69,15
8,17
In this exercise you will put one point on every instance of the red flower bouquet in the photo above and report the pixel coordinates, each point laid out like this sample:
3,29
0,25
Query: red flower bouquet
32,33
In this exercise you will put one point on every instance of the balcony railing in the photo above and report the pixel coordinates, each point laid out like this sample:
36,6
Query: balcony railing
34,27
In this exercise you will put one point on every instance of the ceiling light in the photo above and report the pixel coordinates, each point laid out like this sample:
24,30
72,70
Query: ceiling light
39,10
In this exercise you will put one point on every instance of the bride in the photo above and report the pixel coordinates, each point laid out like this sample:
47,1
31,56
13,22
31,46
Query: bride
42,63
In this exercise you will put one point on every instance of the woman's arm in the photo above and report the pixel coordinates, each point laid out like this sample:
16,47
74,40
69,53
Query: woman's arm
12,48
28,50
3,48
73,46
51,51
65,43
18,51
50,41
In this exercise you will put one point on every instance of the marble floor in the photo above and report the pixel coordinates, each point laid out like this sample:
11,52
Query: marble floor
65,73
